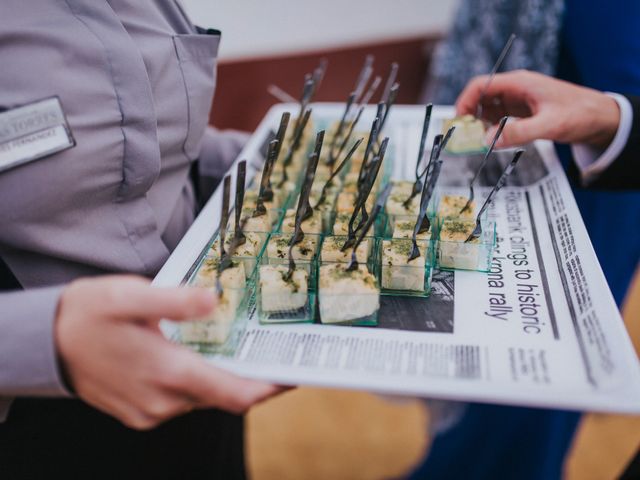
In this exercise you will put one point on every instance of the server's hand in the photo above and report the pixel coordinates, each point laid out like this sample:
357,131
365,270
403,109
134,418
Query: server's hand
548,108
116,359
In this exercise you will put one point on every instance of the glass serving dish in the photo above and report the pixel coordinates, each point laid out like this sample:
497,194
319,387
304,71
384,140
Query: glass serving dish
219,331
346,201
401,276
455,253
325,211
251,200
341,225
284,300
287,191
312,225
401,226
305,253
469,136
400,193
347,297
248,252
451,203
331,251
263,224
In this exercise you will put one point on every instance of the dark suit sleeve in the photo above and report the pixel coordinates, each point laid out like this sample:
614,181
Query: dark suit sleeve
624,172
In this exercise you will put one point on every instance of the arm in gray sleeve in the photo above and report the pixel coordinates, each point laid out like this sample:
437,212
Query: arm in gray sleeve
219,149
28,364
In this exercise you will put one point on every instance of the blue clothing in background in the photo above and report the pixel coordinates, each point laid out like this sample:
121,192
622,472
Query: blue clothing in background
600,48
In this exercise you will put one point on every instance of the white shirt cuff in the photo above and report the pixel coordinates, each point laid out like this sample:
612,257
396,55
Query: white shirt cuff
593,161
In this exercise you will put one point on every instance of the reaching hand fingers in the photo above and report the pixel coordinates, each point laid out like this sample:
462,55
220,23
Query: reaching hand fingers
520,131
510,89
467,102
131,297
208,386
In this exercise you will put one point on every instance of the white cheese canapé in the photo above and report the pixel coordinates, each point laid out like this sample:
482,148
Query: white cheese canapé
215,327
232,277
246,252
322,176
350,182
454,252
450,206
400,273
346,296
251,200
347,201
278,248
313,224
404,187
278,295
332,250
395,204
261,225
468,135
341,225
250,248
403,228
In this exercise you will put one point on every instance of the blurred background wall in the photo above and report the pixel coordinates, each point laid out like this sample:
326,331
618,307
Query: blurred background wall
255,28
277,42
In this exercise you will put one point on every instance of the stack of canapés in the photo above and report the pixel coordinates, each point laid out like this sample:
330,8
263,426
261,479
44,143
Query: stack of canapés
323,230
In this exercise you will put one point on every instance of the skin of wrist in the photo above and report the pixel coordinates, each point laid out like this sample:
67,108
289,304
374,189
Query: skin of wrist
605,121
61,365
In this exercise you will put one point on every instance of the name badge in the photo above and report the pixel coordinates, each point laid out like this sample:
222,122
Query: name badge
33,131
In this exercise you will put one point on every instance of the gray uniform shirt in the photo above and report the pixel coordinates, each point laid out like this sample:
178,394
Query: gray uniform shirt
136,81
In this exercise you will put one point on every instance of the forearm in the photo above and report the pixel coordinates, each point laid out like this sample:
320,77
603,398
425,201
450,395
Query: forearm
28,363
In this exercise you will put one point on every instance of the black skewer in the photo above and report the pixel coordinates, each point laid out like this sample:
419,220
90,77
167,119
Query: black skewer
477,231
434,155
272,153
373,134
305,98
346,138
370,180
318,75
303,204
445,139
503,122
423,224
417,185
372,90
241,174
353,264
222,228
333,175
363,76
494,70
282,129
224,214
391,80
311,173
391,99
341,124
295,145
439,144
225,262
363,194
